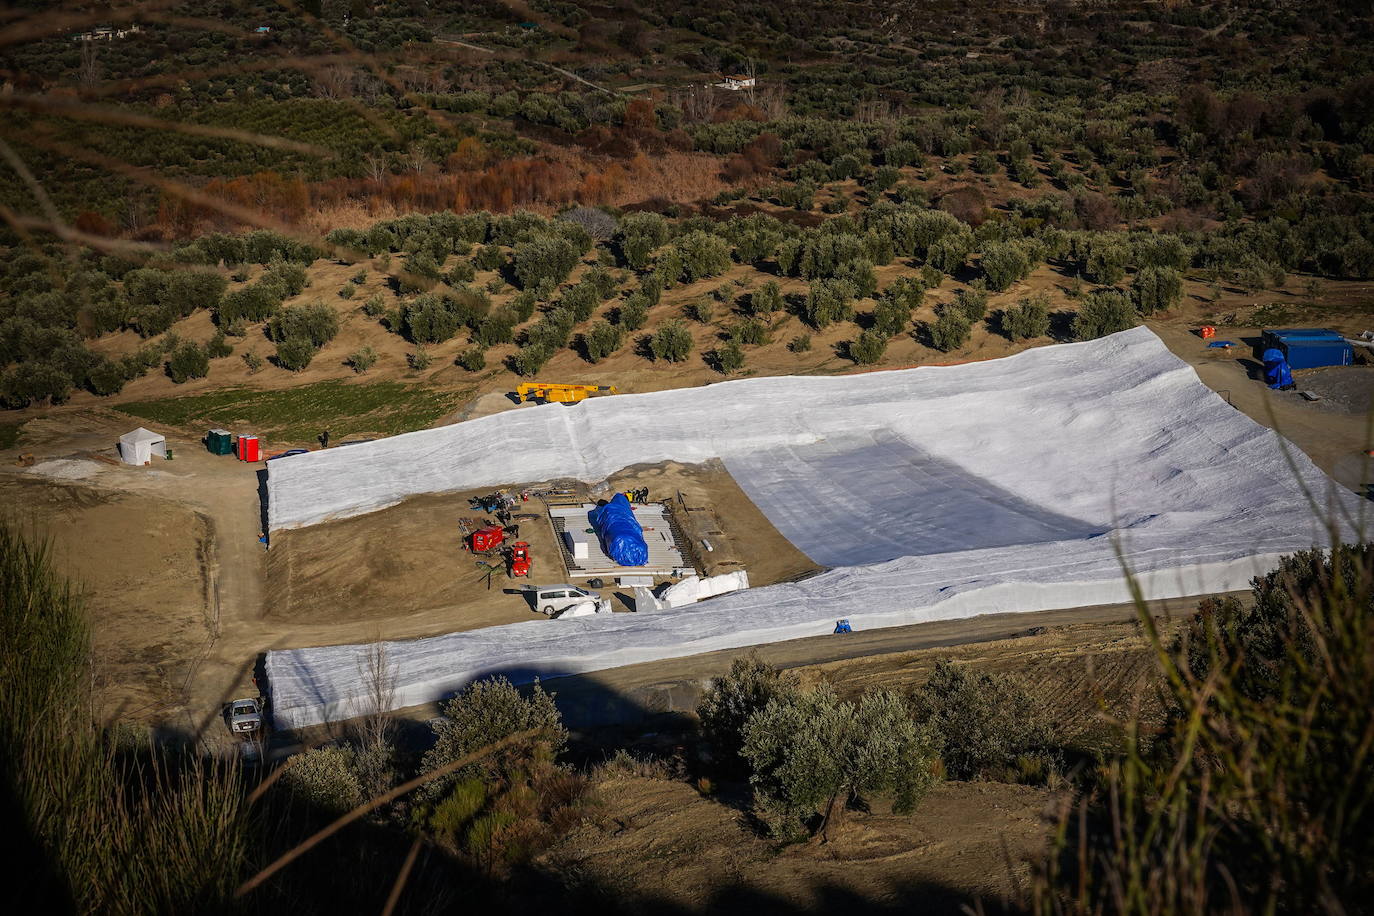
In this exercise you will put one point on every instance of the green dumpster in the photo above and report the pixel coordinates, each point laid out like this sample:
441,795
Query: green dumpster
220,442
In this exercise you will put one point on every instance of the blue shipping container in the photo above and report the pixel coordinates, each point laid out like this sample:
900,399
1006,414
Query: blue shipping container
1312,354
1276,336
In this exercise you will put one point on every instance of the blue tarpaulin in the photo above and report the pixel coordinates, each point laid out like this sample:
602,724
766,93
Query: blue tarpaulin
622,537
1276,371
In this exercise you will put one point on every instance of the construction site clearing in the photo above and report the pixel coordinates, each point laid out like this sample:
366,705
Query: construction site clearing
172,647
408,563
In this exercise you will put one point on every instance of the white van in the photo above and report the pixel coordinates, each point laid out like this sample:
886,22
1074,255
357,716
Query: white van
568,601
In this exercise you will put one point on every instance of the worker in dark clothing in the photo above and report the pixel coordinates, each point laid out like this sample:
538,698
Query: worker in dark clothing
324,439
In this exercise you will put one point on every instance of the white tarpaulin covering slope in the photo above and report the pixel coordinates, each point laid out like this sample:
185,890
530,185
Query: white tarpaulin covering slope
988,487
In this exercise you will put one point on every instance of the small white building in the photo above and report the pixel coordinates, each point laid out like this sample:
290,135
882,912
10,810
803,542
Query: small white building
736,82
139,446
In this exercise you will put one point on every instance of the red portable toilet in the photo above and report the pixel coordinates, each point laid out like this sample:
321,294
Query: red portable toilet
249,448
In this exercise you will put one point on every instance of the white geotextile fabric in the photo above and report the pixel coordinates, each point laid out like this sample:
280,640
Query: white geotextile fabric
1086,447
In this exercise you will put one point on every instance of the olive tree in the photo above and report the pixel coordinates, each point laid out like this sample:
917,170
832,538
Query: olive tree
484,713
672,342
1030,318
1156,289
1104,311
1004,264
811,753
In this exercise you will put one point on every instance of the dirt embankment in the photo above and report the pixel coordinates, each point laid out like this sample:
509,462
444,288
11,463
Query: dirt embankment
663,844
143,566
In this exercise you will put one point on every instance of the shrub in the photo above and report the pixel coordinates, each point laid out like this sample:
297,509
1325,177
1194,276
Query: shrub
429,319
728,358
750,332
699,310
702,255
421,359
1104,311
884,177
982,722
187,361
295,353
496,328
800,344
1003,265
972,303
730,700
253,361
483,713
473,359
252,303
363,360
288,277
543,259
766,300
601,340
1255,789
374,306
1031,318
218,347
858,273
868,347
531,359
1106,262
826,302
633,312
950,330
347,291
1156,289
324,780
581,301
639,236
810,753
316,323
672,342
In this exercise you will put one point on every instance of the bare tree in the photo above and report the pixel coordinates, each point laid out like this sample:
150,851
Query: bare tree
378,674
415,159
89,72
771,99
698,103
375,167
334,82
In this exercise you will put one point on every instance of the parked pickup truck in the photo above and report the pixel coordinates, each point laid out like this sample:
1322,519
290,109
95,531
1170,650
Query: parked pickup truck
245,716
562,601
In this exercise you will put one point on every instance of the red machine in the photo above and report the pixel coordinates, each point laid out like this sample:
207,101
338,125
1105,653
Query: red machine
518,559
484,540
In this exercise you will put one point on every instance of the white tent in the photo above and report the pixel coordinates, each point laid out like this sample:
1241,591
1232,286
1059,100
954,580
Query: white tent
139,446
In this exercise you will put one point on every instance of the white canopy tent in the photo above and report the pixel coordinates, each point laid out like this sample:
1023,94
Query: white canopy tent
139,446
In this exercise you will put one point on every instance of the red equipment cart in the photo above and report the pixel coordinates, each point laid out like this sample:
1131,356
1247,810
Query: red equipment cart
485,540
518,559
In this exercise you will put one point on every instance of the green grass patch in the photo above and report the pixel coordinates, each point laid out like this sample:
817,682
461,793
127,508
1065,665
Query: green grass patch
9,434
296,416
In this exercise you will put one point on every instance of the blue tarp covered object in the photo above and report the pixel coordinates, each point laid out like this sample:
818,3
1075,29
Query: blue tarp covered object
621,535
1276,371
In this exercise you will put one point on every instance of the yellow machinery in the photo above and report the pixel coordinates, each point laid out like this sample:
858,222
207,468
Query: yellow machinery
559,394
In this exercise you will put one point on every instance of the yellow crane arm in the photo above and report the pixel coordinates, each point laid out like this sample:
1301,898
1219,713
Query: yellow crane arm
559,394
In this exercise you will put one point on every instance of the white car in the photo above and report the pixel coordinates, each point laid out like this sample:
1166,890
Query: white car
560,601
245,716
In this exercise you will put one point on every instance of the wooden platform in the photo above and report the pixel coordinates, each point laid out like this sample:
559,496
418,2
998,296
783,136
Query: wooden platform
666,555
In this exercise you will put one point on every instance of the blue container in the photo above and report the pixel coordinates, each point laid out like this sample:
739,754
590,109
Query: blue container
1313,354
1277,336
